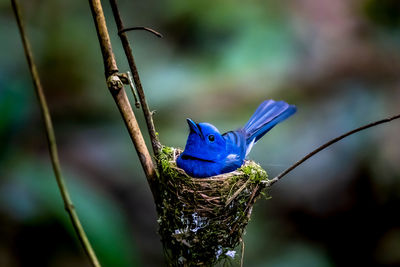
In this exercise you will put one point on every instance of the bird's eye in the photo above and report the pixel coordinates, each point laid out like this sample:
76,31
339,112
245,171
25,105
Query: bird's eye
211,138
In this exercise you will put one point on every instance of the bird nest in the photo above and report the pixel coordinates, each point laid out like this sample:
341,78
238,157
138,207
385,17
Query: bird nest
202,220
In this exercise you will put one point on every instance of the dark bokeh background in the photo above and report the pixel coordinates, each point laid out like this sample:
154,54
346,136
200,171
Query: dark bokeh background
338,61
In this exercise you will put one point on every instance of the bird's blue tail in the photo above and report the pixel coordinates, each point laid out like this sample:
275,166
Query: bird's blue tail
267,115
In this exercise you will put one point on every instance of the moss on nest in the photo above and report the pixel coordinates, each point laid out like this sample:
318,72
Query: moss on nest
202,220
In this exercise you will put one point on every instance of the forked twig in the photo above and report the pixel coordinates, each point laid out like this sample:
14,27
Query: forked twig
51,140
129,55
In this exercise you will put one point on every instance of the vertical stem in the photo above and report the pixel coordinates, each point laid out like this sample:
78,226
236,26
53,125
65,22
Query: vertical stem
51,139
110,66
128,52
116,88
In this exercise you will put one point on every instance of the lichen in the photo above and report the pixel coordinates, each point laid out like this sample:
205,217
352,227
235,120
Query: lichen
202,220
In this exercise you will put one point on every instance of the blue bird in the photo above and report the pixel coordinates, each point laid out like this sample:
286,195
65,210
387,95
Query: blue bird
208,153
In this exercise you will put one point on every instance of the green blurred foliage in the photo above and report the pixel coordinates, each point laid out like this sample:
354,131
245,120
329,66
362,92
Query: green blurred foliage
338,61
41,199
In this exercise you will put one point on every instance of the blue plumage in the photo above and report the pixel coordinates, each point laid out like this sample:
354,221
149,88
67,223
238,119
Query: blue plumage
208,153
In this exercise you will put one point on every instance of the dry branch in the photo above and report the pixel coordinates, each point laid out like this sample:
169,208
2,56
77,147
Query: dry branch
115,86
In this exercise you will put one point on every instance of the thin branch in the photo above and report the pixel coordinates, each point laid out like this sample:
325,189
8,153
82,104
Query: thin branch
242,256
115,86
156,33
51,139
133,89
128,52
322,147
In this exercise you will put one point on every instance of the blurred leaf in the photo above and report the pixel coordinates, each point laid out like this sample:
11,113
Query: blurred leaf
100,216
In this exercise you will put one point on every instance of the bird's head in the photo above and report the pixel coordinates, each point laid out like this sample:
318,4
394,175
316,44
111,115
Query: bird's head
204,142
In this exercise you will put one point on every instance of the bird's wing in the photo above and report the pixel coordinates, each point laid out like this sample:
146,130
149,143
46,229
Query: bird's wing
236,143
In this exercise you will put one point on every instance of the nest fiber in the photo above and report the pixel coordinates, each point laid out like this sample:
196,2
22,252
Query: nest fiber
202,220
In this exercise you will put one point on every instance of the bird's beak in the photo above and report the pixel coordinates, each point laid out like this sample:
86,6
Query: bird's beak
193,127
